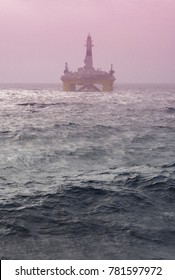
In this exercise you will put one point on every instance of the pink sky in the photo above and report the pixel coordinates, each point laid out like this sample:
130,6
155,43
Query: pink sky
37,37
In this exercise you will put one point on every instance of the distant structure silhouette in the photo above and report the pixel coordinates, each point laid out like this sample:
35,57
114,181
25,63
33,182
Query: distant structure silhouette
87,78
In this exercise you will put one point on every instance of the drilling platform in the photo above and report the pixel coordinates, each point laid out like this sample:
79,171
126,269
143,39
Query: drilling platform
88,78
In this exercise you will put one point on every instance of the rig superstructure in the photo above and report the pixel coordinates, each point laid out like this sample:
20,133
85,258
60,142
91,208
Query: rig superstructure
88,78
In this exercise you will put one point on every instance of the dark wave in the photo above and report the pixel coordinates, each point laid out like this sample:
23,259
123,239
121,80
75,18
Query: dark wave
77,206
170,110
172,164
43,105
66,125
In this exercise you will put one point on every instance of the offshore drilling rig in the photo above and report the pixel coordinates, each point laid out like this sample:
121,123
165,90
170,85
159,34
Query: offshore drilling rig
88,78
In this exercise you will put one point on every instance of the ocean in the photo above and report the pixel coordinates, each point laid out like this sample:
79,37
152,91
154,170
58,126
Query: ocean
87,175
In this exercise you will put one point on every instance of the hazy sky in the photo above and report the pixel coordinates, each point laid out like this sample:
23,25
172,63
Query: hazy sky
37,37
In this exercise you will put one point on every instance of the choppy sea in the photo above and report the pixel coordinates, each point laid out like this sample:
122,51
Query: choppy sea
87,175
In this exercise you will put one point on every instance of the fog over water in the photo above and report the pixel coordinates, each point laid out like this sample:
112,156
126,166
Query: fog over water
39,36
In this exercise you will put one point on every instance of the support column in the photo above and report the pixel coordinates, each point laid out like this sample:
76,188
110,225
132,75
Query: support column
107,86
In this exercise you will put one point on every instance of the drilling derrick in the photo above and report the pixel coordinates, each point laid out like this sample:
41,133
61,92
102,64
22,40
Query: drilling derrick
88,59
87,78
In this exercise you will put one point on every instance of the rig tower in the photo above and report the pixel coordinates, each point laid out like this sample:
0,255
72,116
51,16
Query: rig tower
88,78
